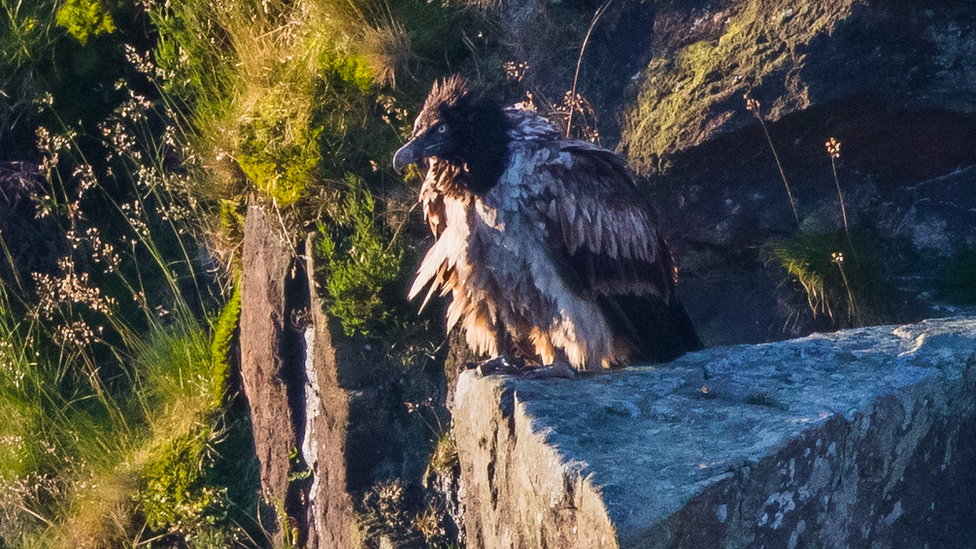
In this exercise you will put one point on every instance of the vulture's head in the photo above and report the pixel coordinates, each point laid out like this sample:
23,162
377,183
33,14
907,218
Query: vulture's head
463,128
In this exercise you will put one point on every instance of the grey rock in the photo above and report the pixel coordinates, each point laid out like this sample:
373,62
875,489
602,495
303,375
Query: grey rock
861,438
892,81
331,414
938,215
327,406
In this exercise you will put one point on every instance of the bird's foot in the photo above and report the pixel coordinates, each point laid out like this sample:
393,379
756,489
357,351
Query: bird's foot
496,365
500,364
557,370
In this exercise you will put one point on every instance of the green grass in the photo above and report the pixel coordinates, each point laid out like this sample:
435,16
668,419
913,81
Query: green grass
111,374
95,469
298,106
842,276
114,362
27,33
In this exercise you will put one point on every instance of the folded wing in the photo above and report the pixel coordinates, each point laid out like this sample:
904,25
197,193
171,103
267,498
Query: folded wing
606,248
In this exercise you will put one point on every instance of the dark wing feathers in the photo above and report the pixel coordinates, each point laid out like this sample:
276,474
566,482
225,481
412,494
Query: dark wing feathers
598,228
606,248
652,329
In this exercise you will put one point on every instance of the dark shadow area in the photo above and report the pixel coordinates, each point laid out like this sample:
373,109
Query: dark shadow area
902,173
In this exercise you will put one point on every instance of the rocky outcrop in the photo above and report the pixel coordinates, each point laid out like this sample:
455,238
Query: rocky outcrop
793,56
273,381
543,39
861,438
801,443
892,81
330,505
342,434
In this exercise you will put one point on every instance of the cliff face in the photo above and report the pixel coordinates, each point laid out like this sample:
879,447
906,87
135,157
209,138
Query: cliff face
892,81
862,438
854,439
270,362
793,56
330,415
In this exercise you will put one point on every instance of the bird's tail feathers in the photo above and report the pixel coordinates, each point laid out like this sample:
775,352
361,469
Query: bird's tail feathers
655,330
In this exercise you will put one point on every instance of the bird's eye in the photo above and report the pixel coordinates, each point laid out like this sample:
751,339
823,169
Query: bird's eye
442,128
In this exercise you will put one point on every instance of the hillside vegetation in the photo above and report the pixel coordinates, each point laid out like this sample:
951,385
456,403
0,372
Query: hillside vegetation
134,135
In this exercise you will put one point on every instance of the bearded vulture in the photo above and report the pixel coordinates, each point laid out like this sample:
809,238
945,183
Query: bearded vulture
544,243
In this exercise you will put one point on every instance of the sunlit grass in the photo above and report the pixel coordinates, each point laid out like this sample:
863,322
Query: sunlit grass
120,432
850,289
108,374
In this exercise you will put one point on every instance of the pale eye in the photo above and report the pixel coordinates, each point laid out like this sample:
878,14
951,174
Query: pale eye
442,128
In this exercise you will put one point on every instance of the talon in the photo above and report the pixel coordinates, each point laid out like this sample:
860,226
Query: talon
496,365
557,370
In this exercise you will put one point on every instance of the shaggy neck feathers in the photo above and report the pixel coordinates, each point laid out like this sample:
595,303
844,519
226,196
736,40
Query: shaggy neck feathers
483,144
479,133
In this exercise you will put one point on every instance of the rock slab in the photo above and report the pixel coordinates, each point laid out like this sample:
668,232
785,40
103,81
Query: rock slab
330,506
263,324
861,438
271,373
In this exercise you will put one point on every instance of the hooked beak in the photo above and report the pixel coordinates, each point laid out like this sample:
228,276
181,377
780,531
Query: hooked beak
406,155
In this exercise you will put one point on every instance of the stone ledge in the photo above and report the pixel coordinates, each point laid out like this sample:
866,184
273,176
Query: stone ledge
862,438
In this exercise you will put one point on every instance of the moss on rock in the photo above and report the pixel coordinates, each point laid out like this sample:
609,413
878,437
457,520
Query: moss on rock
707,60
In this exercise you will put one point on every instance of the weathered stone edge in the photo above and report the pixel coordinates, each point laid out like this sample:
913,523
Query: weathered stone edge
556,504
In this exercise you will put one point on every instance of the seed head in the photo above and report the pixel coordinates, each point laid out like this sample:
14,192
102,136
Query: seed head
752,104
833,148
515,70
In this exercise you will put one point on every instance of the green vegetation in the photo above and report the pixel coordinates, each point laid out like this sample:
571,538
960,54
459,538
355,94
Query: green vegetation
117,426
295,104
360,264
84,18
151,127
132,138
121,423
844,281
445,456
841,275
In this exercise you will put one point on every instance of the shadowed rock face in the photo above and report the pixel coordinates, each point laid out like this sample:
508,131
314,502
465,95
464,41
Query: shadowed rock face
861,438
792,56
722,201
328,412
891,80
